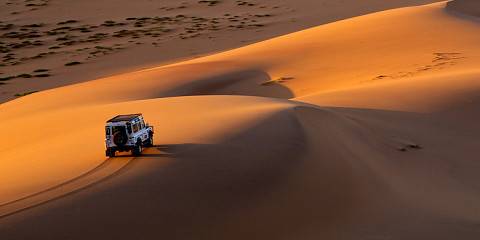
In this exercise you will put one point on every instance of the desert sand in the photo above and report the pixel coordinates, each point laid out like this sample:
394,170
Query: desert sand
46,44
363,128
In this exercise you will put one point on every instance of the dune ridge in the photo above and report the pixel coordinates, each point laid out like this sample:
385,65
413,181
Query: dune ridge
329,133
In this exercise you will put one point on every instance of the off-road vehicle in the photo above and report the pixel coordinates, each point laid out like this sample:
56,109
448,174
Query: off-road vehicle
127,133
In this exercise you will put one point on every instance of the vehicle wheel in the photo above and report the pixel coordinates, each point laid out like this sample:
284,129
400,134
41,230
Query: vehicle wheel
110,153
149,142
137,150
120,138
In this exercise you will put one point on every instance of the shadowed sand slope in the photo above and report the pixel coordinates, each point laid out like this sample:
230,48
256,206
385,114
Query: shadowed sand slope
337,173
468,7
49,160
302,155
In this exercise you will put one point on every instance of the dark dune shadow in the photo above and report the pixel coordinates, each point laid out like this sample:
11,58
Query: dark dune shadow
465,7
201,188
221,190
248,82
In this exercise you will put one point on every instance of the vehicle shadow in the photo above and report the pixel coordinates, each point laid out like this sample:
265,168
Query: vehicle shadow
163,150
176,149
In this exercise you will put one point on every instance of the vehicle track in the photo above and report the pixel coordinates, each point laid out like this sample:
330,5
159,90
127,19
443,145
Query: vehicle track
105,170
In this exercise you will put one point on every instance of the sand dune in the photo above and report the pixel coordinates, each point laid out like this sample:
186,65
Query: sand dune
328,173
328,58
69,46
359,129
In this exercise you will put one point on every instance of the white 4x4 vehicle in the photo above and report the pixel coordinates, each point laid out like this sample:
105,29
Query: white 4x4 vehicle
127,133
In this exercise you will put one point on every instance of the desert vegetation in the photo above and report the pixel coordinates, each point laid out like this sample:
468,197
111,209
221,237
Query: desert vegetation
86,41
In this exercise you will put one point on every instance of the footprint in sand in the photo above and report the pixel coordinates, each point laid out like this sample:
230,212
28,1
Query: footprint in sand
439,61
277,81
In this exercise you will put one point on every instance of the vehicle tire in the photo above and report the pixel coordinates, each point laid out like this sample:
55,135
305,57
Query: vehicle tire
137,150
149,142
120,138
110,152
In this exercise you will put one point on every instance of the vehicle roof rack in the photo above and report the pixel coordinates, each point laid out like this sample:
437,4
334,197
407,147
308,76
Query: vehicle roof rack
125,118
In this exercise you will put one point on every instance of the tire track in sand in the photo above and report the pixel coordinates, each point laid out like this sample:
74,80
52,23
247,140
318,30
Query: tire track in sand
103,171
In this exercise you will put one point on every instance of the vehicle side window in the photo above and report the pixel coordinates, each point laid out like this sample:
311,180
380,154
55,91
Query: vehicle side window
107,131
142,125
135,127
129,128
